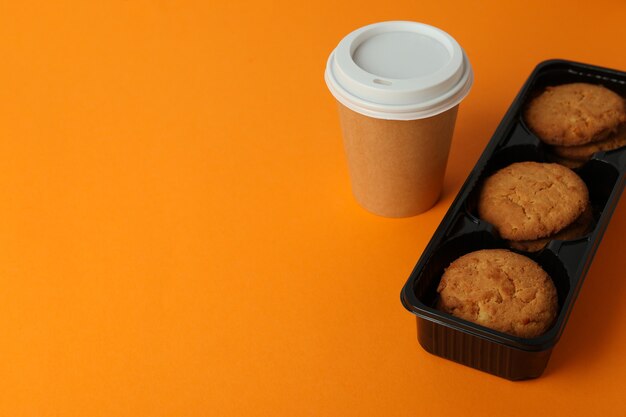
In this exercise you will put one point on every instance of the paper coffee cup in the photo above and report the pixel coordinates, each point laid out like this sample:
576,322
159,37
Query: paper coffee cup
399,85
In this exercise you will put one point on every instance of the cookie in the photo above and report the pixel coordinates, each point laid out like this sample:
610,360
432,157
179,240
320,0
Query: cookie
581,226
499,289
531,200
575,114
584,152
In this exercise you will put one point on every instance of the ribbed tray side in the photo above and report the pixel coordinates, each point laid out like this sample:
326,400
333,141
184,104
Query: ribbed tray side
481,354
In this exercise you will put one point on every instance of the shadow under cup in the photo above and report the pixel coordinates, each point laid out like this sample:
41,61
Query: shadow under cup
397,166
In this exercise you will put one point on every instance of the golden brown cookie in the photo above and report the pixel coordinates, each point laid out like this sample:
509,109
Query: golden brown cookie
501,290
531,200
584,152
581,226
575,114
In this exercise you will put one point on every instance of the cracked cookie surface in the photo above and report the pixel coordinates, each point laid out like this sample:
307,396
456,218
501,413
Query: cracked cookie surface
531,200
575,114
584,152
581,226
501,290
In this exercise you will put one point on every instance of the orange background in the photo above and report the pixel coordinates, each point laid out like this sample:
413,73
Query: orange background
177,233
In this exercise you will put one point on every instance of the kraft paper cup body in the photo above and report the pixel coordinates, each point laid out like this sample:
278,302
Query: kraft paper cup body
397,166
399,86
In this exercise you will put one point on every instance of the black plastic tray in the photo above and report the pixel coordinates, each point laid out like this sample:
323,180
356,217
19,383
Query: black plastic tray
461,232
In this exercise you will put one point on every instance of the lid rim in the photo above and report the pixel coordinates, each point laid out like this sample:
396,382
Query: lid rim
401,112
408,98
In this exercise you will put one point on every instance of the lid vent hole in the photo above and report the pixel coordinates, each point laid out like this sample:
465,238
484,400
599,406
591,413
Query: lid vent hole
382,82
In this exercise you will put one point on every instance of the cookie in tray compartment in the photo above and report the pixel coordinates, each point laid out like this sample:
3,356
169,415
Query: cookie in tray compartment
577,120
501,290
575,114
527,201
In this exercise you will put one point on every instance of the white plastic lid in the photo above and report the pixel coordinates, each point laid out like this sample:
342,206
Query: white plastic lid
399,71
